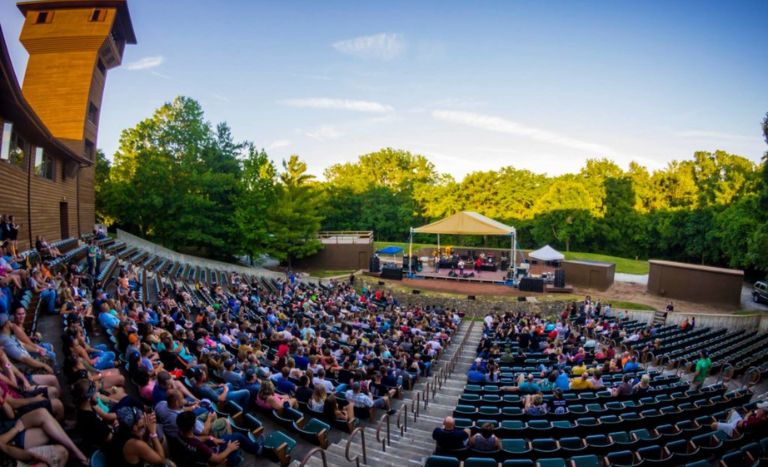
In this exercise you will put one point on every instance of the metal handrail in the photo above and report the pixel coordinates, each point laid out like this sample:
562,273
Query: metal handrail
311,453
384,441
356,460
403,427
747,381
726,374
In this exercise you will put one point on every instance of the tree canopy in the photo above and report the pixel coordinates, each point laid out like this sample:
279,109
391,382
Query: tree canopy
186,183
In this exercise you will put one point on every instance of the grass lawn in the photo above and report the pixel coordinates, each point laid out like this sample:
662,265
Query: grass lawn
330,273
622,305
623,265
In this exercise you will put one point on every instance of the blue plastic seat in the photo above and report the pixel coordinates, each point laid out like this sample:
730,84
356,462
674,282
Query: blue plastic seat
442,461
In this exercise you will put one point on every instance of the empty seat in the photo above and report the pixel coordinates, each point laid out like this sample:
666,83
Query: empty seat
515,446
572,445
621,458
442,461
545,446
654,455
480,462
682,451
586,461
551,462
518,463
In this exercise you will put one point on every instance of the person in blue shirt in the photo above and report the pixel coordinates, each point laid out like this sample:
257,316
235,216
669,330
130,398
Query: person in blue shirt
283,384
231,375
631,365
563,382
475,375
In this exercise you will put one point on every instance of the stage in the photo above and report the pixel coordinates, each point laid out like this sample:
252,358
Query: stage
487,277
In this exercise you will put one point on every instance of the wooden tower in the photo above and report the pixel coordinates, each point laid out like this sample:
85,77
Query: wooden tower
71,45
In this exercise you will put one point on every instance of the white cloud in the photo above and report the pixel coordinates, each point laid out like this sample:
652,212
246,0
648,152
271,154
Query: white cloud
279,143
324,133
501,125
384,46
338,104
704,134
145,63
159,75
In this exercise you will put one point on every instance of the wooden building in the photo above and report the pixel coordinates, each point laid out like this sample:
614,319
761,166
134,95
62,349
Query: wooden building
50,125
695,282
589,274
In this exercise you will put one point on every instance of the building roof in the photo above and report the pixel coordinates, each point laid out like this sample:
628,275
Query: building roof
466,223
590,262
17,109
123,25
698,267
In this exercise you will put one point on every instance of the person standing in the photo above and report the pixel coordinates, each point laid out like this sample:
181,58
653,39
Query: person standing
12,234
703,366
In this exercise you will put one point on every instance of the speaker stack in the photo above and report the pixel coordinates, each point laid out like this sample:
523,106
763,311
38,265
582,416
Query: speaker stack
560,278
374,265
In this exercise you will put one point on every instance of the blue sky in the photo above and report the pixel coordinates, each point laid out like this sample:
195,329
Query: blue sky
471,85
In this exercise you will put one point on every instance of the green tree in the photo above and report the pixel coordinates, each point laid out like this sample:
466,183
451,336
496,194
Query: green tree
256,197
174,180
101,178
295,218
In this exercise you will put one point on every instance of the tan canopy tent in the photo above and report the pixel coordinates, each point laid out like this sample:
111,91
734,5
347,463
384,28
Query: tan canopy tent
468,223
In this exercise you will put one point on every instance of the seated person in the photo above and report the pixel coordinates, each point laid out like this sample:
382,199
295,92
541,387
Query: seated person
16,351
29,439
191,450
582,382
364,401
535,405
755,420
217,393
136,440
268,399
449,438
485,440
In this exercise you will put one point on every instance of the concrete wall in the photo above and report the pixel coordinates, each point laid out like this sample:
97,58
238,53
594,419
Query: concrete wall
163,252
692,282
755,321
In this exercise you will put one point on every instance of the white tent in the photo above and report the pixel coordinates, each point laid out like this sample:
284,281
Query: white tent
546,253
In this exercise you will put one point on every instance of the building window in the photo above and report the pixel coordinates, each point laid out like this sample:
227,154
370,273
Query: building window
93,113
44,164
13,147
98,15
44,17
101,67
90,149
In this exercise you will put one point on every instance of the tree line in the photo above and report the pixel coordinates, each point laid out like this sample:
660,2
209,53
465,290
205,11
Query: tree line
179,180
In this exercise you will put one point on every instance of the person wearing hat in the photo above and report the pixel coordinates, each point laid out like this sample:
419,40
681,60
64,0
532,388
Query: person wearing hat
136,440
92,418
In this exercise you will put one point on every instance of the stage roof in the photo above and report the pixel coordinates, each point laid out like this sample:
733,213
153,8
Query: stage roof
466,223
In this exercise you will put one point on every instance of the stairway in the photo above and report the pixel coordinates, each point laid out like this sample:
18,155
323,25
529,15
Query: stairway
415,445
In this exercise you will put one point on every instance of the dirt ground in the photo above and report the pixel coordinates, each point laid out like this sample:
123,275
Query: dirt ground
619,291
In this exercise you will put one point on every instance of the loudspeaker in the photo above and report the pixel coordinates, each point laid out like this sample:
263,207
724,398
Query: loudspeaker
520,299
560,278
382,283
530,284
415,291
470,297
374,265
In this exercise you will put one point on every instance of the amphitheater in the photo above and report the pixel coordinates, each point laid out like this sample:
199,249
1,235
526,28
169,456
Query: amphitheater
670,423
